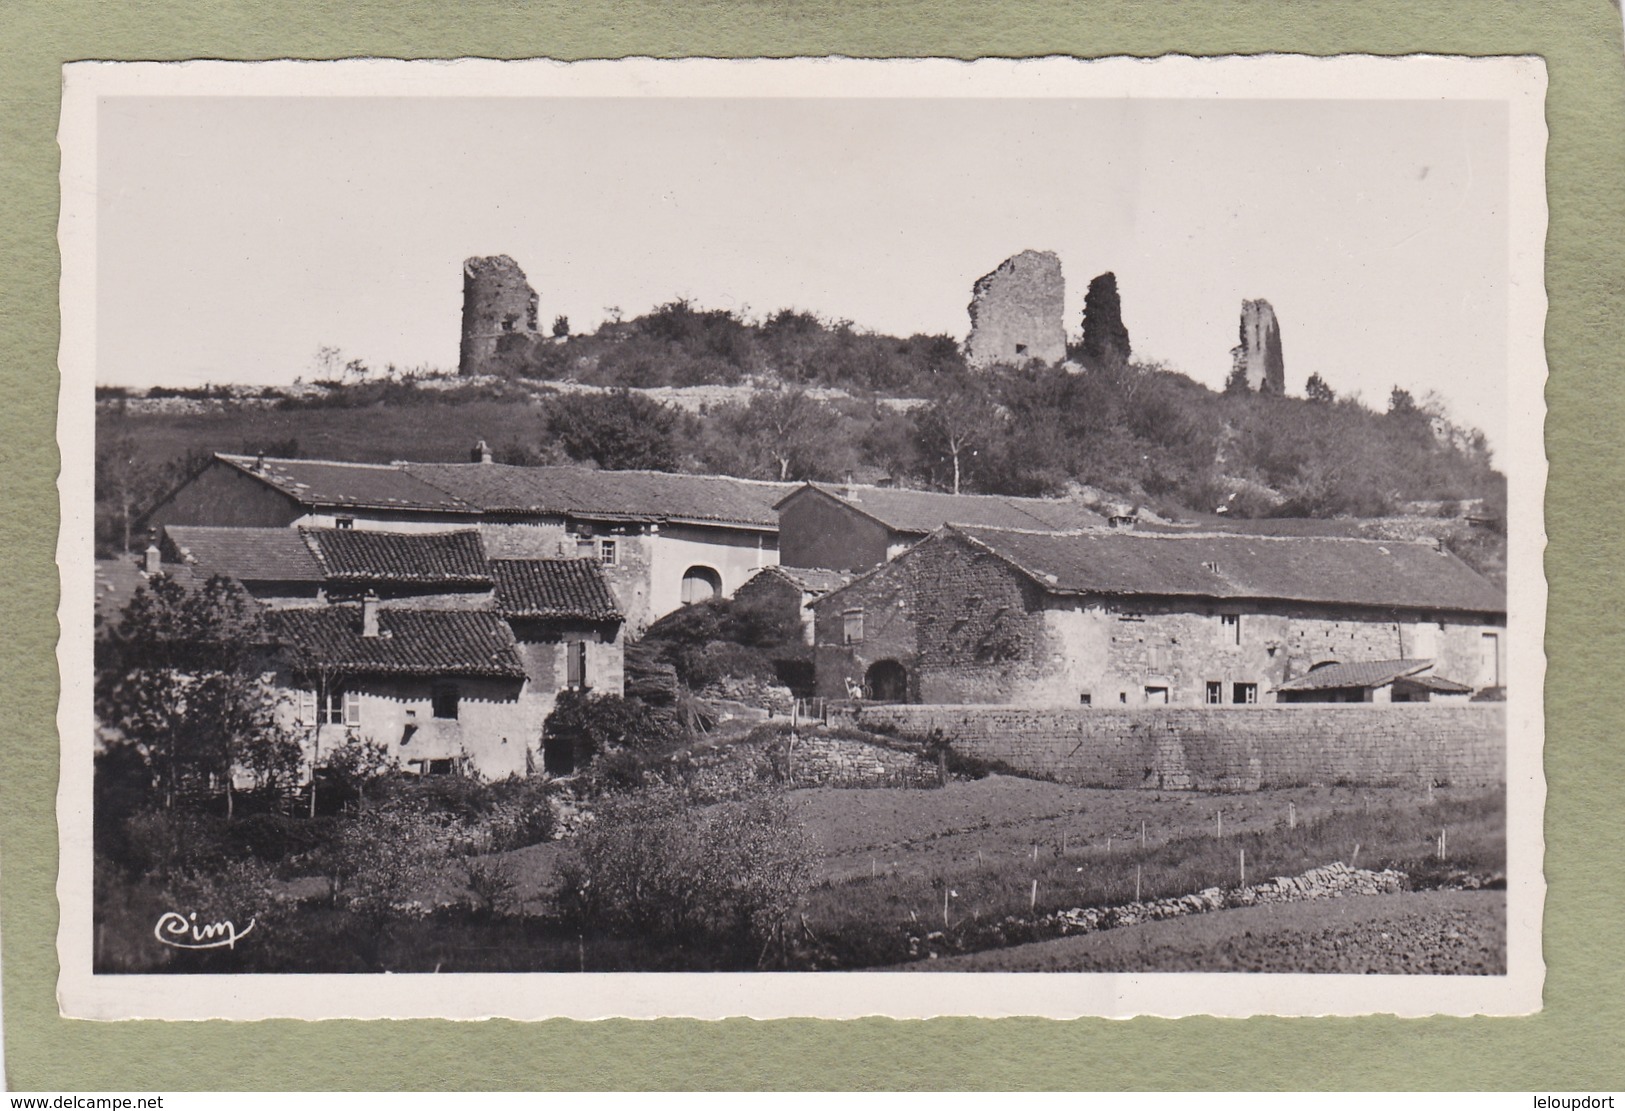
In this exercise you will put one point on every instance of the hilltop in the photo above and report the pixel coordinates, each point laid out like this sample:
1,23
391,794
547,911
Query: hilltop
793,396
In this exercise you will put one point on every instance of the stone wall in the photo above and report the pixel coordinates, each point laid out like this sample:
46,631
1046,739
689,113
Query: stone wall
498,303
1224,748
840,762
1017,311
1258,356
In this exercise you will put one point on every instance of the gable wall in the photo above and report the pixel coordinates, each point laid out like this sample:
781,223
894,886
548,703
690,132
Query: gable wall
222,495
816,530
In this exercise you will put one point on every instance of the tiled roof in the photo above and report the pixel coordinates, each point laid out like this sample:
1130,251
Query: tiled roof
245,554
611,495
411,642
811,580
564,588
924,511
117,581
364,555
322,482
1390,574
1439,683
1361,673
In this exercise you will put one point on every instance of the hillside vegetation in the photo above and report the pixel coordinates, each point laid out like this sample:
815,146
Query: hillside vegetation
813,399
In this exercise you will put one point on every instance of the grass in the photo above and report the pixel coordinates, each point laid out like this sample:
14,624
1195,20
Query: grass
889,859
862,920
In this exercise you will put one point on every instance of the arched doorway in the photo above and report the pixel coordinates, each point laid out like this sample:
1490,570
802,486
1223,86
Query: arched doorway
886,681
701,584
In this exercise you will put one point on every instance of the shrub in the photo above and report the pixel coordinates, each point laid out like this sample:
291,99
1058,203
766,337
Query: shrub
592,724
652,865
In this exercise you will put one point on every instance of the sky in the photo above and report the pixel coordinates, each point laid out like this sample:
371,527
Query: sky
237,235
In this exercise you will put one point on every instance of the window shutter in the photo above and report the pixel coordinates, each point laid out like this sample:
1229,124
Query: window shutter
352,707
577,665
307,706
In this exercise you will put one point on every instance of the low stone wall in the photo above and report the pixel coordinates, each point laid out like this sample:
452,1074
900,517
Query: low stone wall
840,762
1223,748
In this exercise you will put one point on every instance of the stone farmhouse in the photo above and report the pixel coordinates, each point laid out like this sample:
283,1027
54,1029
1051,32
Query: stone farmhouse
792,589
854,528
1112,618
419,641
662,539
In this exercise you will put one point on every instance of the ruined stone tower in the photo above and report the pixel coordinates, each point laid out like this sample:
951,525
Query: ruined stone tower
497,302
1016,312
1258,356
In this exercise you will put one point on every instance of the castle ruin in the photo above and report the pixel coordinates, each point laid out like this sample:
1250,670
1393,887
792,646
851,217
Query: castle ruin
1016,312
1258,357
497,302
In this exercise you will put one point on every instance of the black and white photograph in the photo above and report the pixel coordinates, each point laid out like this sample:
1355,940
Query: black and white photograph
626,538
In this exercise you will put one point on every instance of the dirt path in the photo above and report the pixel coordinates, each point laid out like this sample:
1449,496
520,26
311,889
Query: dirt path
1427,932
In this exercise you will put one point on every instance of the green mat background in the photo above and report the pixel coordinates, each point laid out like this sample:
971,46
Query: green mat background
1574,1044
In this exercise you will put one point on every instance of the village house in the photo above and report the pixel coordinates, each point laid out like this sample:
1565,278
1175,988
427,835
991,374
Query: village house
663,540
1006,616
854,528
417,641
791,590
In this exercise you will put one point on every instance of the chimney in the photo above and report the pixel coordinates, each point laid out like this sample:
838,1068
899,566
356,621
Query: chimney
259,463
369,614
152,559
481,453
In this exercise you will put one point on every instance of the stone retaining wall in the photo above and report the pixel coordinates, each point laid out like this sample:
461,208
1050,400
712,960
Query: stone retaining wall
1228,748
839,762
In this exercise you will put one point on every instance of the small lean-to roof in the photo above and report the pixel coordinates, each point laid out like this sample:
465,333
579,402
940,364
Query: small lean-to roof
810,580
920,512
1359,673
246,554
556,588
328,483
419,558
1333,570
469,643
653,496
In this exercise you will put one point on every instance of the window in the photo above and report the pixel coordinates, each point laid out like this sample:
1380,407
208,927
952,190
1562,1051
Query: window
1215,693
344,522
1021,349
1230,628
1245,694
1489,660
337,706
586,548
852,627
1131,617
1157,696
607,555
1085,699
576,665
446,701
1122,696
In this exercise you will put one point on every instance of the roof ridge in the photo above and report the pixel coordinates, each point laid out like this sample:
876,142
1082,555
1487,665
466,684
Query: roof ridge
250,460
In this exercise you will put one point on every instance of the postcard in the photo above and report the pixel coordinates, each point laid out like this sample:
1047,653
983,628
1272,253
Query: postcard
815,537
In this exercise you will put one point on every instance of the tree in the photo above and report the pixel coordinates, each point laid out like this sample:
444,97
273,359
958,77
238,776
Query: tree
1105,338
1401,403
959,420
619,430
182,677
790,428
357,761
561,326
1318,391
1236,385
591,724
